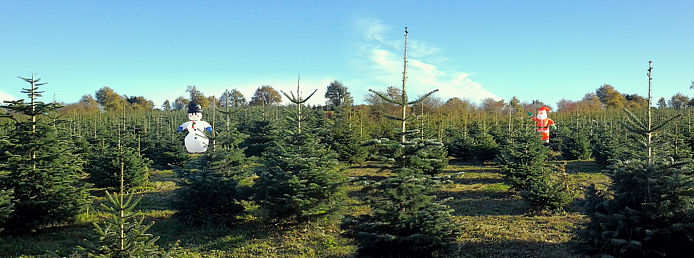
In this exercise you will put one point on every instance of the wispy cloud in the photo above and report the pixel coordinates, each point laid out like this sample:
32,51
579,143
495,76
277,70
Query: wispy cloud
380,61
5,96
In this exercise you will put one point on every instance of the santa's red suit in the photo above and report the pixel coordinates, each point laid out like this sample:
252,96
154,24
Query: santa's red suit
543,122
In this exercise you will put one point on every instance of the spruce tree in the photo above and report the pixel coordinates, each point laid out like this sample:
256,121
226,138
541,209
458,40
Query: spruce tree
211,190
261,134
43,170
648,209
6,205
524,162
300,178
123,233
575,144
347,143
103,167
406,219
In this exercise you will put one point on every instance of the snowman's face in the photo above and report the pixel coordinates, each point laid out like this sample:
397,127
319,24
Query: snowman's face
542,115
194,116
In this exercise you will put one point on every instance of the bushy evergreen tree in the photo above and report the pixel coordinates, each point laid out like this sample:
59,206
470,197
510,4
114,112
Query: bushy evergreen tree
347,143
524,162
210,183
476,142
43,171
123,233
406,220
6,205
260,133
575,144
523,157
648,209
607,146
300,177
104,164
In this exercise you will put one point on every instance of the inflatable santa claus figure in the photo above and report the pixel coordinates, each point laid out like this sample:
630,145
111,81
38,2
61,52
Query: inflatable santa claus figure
543,123
195,141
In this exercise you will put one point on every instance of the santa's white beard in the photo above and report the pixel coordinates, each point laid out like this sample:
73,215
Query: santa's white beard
542,115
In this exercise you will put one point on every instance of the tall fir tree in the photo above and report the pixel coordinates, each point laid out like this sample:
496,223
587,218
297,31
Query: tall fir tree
123,234
211,190
43,170
103,167
648,209
406,220
300,178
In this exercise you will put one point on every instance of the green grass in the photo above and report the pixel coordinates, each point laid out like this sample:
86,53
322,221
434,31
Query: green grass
495,222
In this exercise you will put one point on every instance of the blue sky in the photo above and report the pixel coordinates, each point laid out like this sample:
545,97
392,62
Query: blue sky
544,50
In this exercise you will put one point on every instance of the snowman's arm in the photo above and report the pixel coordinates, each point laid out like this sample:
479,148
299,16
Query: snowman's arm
184,125
205,125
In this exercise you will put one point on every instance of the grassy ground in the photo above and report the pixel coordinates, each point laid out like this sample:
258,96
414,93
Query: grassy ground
496,223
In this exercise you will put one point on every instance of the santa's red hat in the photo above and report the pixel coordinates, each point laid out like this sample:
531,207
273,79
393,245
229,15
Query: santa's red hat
545,108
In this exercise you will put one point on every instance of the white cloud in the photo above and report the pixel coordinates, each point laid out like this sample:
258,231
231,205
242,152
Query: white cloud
379,56
5,96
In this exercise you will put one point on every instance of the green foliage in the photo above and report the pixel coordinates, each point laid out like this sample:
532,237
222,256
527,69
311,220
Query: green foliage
123,234
646,212
523,156
260,137
40,165
6,205
105,164
406,219
648,209
210,184
607,146
299,179
347,144
524,162
547,192
477,142
575,144
427,156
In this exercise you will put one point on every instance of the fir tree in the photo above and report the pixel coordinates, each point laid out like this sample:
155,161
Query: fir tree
43,171
523,157
347,143
123,233
211,192
260,133
648,209
6,205
524,162
103,167
575,144
300,177
406,220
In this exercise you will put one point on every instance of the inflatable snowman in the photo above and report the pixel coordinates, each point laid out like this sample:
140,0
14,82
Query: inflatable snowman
195,141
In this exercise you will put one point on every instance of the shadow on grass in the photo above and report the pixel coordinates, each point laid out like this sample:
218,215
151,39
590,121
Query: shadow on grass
586,166
515,248
490,206
477,180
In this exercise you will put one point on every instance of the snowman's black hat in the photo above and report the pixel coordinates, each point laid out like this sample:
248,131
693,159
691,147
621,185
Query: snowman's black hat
194,107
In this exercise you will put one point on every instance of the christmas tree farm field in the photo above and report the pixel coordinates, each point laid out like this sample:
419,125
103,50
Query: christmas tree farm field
494,221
